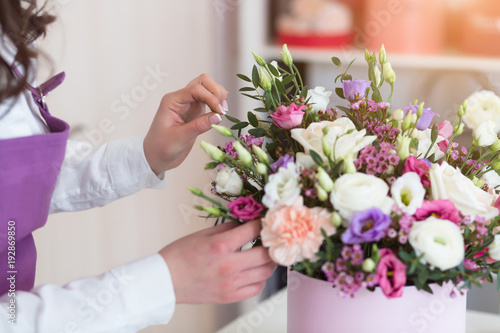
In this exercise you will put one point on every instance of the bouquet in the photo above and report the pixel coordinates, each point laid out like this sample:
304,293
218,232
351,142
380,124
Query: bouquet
362,195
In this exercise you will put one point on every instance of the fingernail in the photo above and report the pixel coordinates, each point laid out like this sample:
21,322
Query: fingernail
221,108
224,104
215,119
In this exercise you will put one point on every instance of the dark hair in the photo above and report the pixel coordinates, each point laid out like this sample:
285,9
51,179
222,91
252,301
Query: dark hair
22,21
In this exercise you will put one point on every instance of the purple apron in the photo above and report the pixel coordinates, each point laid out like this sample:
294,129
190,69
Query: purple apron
28,173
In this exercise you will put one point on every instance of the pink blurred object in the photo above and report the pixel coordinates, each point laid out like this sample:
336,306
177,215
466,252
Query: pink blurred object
315,307
405,26
480,27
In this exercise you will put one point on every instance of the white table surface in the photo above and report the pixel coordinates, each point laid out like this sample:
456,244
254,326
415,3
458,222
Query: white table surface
270,317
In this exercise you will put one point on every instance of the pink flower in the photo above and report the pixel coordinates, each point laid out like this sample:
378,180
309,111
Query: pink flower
413,164
293,233
446,131
245,208
288,117
442,209
391,274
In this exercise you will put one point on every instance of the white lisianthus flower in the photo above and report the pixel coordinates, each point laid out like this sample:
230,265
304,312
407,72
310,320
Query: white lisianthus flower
304,161
319,97
449,183
440,242
494,249
228,182
356,192
282,189
425,141
485,134
482,106
342,137
491,178
408,192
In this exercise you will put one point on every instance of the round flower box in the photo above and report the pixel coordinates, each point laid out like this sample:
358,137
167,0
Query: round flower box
314,306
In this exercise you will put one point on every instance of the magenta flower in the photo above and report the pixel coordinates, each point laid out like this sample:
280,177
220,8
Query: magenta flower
366,226
425,120
288,117
391,274
442,209
413,164
355,90
245,208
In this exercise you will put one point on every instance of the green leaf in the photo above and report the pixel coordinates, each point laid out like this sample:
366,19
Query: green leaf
241,125
376,95
316,157
211,165
336,61
258,132
253,97
255,76
340,92
260,110
304,91
273,70
244,77
281,87
232,119
434,133
247,89
288,79
253,119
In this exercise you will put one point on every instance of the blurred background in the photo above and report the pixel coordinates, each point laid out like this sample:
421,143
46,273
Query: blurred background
442,51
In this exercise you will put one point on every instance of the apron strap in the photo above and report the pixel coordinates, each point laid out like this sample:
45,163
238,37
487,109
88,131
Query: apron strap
39,93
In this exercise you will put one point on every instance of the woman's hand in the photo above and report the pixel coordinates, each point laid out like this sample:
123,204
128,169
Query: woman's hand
208,267
180,118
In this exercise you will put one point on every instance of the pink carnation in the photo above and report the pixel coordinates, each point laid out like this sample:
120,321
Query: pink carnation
392,286
413,164
288,117
245,208
442,209
293,233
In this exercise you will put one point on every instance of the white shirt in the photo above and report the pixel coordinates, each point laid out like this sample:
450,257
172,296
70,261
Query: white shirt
126,299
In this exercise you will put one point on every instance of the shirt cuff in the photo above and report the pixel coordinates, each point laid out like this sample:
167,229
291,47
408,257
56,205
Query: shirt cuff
126,159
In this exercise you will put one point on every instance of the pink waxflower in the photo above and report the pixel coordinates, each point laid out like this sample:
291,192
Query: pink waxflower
442,209
413,164
391,274
245,208
288,117
293,233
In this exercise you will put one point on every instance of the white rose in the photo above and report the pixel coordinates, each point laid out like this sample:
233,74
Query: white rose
449,183
485,134
425,141
491,178
357,192
228,181
282,189
319,98
304,161
440,241
494,248
408,192
345,143
481,107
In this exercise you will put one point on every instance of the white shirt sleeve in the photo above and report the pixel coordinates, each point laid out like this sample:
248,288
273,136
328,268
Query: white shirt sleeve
94,176
124,300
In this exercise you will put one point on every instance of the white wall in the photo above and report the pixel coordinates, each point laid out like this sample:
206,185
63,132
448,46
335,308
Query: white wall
105,47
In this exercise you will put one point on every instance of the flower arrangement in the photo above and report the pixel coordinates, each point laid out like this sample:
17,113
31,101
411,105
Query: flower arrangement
375,197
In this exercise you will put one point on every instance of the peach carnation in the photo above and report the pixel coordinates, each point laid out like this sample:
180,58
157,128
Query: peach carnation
293,233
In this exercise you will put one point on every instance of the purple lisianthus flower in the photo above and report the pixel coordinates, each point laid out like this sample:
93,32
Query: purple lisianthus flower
355,90
282,162
425,120
366,226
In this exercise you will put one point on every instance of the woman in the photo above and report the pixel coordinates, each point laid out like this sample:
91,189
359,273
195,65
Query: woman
37,178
